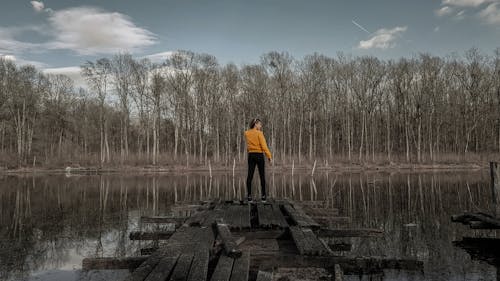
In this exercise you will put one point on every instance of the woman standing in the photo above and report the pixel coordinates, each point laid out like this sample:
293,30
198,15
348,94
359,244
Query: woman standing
256,147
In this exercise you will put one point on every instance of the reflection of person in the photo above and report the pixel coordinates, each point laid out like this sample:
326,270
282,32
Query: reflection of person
256,147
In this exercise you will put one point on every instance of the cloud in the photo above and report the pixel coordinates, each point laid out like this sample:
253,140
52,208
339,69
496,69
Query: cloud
73,72
491,14
38,6
8,57
159,57
383,38
466,3
443,11
8,42
93,31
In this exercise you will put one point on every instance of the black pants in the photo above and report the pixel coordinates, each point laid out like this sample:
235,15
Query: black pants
256,159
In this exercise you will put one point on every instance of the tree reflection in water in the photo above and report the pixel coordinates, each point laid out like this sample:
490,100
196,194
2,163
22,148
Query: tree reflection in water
53,221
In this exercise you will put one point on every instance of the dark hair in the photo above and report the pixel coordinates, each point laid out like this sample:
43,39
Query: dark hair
253,122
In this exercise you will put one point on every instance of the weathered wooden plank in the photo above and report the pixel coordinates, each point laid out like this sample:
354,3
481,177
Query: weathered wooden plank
263,215
264,276
277,216
162,219
145,268
299,239
316,247
313,212
223,269
150,235
348,232
162,269
181,270
241,268
228,241
339,273
199,266
299,216
340,246
112,263
361,265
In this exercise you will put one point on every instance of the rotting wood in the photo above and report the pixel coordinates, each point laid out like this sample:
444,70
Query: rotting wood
199,266
223,269
112,263
340,247
264,276
348,232
148,235
360,265
228,242
299,217
339,273
181,270
162,219
241,268
162,269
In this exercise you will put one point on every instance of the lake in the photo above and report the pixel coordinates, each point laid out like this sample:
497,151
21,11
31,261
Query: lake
49,223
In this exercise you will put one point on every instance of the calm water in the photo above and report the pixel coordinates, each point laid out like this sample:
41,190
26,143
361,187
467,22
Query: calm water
50,223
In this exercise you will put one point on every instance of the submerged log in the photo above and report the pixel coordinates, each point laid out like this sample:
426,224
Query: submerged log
347,232
477,219
147,235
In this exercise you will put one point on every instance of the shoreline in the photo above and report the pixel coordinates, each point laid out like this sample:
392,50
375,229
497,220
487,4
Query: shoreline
304,169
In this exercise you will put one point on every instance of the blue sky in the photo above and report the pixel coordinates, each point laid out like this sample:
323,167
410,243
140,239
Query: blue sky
60,35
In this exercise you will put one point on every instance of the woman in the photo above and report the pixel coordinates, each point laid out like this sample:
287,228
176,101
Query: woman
256,147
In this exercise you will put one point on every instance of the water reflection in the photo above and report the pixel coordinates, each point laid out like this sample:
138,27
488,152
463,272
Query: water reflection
51,222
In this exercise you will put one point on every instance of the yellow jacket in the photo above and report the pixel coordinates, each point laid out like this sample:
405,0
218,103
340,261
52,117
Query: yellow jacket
256,142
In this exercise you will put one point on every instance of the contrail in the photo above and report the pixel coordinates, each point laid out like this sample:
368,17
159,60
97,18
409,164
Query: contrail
360,26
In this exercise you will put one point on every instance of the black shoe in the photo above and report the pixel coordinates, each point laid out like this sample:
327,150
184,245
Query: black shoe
249,199
263,198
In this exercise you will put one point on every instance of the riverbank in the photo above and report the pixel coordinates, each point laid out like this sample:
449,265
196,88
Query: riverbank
238,168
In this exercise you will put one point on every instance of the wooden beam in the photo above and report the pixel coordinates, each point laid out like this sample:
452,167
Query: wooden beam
348,232
112,263
161,219
147,235
228,242
361,265
264,276
340,247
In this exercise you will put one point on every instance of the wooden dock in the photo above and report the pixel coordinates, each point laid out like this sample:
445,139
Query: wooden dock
238,241
480,248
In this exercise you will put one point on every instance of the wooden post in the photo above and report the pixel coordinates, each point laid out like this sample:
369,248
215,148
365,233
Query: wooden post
495,186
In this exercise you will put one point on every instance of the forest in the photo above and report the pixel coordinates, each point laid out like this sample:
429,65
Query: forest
191,110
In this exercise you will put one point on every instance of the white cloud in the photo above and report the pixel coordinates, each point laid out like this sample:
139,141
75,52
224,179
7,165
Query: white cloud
159,57
443,11
8,57
436,29
73,72
93,31
38,6
491,14
383,38
466,3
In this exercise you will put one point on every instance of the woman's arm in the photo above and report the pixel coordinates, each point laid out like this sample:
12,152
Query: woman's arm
263,145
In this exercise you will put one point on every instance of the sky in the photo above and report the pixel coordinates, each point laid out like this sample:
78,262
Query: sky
60,35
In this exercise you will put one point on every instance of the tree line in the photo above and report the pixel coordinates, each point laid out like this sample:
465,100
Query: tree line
190,109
